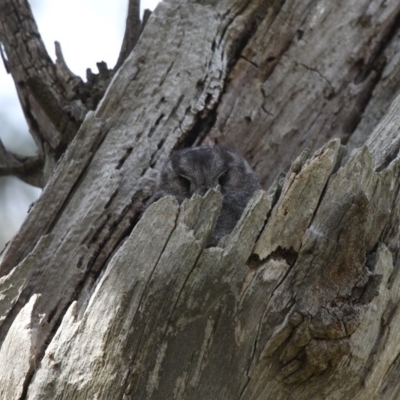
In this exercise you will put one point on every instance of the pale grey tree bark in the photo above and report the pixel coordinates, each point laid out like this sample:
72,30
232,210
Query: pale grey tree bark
301,300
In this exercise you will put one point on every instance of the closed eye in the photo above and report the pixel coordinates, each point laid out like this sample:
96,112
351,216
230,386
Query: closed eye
223,178
185,182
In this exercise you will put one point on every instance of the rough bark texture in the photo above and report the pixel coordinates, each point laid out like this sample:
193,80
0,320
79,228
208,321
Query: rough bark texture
301,300
54,100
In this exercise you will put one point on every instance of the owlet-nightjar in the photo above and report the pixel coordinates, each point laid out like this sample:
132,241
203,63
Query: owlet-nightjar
198,169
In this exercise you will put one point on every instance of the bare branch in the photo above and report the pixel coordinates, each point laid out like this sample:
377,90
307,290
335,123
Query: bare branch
28,169
54,100
34,72
146,16
52,110
66,76
60,61
4,58
132,31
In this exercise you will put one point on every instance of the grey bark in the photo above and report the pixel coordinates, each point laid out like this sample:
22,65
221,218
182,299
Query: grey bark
300,301
54,100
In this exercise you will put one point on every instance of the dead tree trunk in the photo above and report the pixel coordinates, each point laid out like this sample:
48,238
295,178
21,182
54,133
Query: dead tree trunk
301,300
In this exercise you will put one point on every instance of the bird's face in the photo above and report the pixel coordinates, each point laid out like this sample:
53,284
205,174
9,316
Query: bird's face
195,170
202,168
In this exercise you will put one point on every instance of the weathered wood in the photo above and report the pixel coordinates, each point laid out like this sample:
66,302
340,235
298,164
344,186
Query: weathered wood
112,163
300,300
162,266
12,284
133,27
307,75
168,314
312,323
300,196
28,169
18,351
52,117
53,99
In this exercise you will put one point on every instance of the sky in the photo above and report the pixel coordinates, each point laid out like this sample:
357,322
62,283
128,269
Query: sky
89,31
